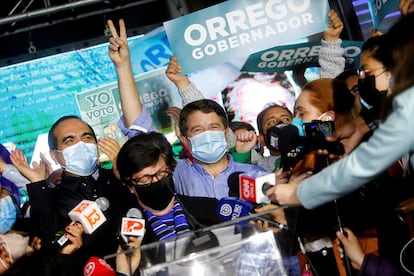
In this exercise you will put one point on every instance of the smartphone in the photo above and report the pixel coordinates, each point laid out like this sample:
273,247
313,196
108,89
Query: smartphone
314,127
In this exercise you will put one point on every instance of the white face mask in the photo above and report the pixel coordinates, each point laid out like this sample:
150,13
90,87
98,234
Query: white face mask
81,158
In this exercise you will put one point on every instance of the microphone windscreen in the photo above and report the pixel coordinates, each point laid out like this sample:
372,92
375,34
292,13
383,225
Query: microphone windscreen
134,213
98,267
266,186
233,183
286,136
103,203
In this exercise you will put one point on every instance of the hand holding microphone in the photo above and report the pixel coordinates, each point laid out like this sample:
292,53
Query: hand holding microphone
133,225
87,213
73,233
128,263
247,191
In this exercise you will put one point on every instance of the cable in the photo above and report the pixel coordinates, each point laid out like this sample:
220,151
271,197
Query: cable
401,257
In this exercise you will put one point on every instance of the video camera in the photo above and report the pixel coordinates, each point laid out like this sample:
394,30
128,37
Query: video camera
285,138
292,147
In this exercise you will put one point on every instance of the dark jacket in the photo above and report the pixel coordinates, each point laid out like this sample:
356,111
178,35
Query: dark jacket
50,205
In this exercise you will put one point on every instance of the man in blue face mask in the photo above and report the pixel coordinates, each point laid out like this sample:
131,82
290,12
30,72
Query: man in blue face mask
74,146
203,126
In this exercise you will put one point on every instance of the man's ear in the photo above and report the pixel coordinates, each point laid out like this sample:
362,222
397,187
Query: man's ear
183,140
52,154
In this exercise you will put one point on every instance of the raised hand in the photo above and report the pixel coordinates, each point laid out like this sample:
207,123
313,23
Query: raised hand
406,6
245,140
118,44
173,72
39,171
335,27
111,148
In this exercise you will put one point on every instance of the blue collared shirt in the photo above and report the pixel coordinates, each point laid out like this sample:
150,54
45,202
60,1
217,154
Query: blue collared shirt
191,179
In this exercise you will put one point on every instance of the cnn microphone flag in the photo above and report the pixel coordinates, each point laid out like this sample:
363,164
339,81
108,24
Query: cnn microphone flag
251,185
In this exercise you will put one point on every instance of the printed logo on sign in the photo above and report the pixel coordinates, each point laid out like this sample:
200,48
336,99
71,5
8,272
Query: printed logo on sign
237,211
248,189
93,217
225,210
132,225
101,105
89,269
81,207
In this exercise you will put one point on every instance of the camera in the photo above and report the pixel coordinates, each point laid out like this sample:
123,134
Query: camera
316,128
293,147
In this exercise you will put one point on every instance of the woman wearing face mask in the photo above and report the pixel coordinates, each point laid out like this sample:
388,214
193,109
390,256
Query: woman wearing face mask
373,82
145,164
322,102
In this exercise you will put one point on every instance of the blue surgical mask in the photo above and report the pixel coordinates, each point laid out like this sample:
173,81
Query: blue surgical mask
81,158
7,214
299,124
209,146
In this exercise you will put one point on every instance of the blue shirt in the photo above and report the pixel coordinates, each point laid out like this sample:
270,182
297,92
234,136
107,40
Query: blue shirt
190,178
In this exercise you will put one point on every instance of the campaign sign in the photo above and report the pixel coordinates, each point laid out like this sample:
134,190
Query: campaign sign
157,94
379,9
101,107
352,53
283,58
235,29
150,51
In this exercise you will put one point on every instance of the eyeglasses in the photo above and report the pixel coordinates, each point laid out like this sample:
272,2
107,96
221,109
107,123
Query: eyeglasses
148,179
368,72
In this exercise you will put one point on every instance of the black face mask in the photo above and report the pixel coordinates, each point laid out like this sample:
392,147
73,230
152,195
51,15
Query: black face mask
369,93
157,195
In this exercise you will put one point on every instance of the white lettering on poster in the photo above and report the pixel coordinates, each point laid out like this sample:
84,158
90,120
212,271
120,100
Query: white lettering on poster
240,27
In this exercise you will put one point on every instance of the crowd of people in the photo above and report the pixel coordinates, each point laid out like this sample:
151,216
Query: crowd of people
341,157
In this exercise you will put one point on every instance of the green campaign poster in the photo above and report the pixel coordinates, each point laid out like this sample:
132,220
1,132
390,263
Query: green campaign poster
101,107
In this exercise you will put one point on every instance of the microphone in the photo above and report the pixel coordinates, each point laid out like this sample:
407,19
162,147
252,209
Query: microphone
292,147
98,267
256,187
89,214
253,186
231,208
132,225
